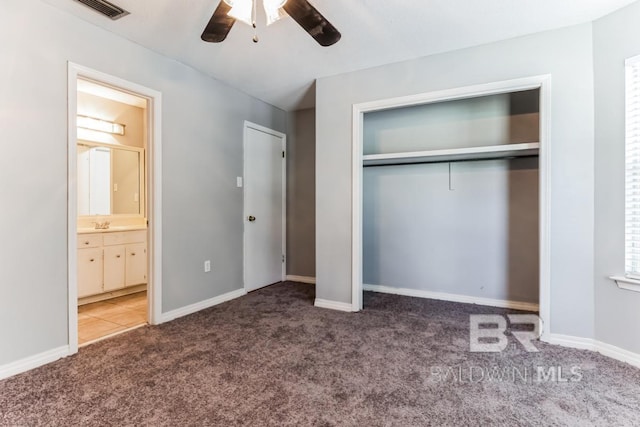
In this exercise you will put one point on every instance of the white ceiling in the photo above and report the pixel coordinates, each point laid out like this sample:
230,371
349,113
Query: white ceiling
282,67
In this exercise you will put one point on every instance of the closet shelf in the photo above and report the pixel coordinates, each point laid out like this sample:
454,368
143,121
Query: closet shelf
455,154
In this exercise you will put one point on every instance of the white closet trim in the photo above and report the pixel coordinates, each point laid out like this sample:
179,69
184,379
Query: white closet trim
543,83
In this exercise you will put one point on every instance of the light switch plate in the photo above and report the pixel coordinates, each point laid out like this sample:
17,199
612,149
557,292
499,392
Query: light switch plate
207,266
239,182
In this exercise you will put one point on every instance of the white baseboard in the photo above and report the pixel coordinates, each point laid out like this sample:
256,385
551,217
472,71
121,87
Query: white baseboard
333,305
193,308
618,353
570,341
605,349
32,362
301,279
516,305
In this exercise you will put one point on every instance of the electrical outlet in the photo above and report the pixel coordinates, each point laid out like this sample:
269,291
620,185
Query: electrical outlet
207,266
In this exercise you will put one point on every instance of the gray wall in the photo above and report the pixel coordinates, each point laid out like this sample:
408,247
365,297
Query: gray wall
467,228
567,55
486,120
616,37
478,239
301,193
202,154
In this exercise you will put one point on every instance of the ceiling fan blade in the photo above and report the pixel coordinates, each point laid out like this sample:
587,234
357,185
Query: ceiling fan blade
312,21
219,25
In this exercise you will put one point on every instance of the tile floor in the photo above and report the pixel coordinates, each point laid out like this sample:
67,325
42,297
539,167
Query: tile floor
103,318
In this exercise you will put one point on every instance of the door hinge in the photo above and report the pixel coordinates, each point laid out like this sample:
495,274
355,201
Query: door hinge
283,154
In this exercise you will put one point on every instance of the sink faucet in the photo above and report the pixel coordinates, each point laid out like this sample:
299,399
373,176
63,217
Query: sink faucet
104,225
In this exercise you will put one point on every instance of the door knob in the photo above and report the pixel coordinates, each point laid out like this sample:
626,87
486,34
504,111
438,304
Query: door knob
251,218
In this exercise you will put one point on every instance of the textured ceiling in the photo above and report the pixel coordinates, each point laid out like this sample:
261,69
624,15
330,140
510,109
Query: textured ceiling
282,67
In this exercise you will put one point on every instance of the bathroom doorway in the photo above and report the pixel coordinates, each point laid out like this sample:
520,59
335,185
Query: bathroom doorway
114,215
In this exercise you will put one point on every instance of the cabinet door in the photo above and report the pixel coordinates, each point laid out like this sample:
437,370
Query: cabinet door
90,269
114,262
136,268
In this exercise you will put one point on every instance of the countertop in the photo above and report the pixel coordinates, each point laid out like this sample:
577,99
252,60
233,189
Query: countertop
112,229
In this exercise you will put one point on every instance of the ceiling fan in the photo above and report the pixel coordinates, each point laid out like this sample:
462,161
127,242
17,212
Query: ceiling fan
307,16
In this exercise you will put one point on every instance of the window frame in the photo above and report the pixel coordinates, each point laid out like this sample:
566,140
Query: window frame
632,163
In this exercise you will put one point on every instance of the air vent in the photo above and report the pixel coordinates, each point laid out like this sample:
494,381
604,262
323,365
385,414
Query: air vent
105,8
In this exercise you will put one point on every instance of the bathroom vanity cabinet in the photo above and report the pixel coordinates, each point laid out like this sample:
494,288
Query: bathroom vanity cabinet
110,261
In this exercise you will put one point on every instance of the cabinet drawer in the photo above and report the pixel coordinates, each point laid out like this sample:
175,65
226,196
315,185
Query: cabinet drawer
125,237
89,241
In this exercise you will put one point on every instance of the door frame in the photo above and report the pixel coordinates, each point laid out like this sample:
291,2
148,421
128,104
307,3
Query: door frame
542,82
153,199
249,125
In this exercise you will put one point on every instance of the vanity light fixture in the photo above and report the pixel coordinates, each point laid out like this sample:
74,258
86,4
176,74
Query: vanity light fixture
92,123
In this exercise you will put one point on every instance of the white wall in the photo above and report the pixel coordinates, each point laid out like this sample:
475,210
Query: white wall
202,155
616,37
566,54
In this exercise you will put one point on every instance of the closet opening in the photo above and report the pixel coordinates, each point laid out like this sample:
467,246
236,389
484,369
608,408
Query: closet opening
450,196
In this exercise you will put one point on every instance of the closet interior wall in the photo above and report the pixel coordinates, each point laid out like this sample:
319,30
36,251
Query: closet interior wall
468,228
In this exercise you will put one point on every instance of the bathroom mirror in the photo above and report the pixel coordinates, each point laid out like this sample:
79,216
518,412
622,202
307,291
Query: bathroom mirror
110,180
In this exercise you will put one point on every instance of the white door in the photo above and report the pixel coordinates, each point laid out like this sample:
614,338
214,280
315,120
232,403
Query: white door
264,213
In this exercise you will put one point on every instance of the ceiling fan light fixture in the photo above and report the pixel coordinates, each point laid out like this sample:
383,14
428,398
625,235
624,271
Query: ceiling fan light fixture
242,10
301,11
274,12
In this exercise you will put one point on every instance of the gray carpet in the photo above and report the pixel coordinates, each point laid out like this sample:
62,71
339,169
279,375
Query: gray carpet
271,358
